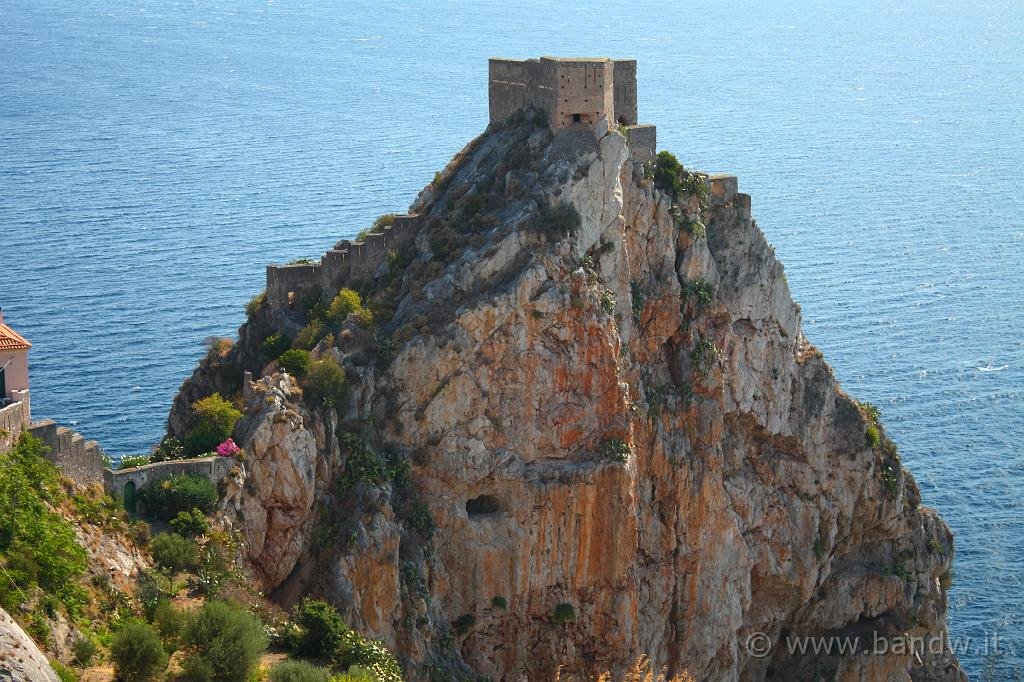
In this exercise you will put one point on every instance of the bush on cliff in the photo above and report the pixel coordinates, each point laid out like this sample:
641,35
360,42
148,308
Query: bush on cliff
298,671
325,383
191,523
174,553
671,178
166,497
226,640
295,362
37,545
273,346
137,652
325,636
348,302
555,221
216,421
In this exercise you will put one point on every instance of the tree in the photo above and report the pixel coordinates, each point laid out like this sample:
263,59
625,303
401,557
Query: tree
216,421
325,383
137,652
227,639
295,361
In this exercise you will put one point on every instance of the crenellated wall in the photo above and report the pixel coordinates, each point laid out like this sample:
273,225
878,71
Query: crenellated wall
348,261
79,459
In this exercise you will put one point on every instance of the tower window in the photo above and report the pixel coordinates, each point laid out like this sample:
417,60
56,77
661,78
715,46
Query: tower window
576,118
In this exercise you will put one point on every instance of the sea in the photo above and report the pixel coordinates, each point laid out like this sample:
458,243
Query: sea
156,154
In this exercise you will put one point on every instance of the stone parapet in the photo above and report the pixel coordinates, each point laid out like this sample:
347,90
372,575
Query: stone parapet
643,142
78,459
348,261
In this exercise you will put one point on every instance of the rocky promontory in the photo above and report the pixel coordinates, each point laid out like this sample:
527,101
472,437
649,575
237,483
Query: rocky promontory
581,424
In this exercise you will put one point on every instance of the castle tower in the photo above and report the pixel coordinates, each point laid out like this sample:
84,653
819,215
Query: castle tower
574,92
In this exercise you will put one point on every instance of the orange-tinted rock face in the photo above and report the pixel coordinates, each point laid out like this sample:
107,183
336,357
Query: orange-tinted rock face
749,500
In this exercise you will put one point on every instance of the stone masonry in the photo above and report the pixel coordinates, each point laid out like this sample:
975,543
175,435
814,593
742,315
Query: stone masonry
575,92
348,260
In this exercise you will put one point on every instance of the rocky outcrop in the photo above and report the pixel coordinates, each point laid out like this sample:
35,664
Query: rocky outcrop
621,444
20,658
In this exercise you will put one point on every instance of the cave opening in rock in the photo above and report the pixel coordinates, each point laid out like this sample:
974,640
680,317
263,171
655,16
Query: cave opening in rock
484,505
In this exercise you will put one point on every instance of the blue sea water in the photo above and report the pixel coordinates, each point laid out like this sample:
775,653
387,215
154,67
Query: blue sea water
154,155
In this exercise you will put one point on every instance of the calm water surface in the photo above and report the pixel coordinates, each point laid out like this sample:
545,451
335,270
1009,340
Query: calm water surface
155,155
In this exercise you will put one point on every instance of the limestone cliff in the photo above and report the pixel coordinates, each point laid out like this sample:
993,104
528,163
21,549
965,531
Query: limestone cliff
587,427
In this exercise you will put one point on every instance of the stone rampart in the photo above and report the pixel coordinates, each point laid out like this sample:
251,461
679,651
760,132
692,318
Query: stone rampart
349,260
643,142
14,419
79,459
214,469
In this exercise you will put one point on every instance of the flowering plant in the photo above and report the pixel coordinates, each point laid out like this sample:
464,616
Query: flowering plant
228,448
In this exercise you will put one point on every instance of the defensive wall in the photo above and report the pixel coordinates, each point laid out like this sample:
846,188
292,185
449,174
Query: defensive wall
214,469
725,189
14,418
79,459
347,261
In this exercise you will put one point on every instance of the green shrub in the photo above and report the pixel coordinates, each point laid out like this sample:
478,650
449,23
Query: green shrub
132,461
705,354
556,221
64,673
295,362
273,346
198,669
873,436
363,464
323,631
615,449
37,545
325,383
168,449
137,653
165,497
344,304
700,292
565,613
154,588
191,523
637,300
671,178
84,650
171,623
608,302
298,671
499,603
227,639
216,421
311,334
174,553
255,304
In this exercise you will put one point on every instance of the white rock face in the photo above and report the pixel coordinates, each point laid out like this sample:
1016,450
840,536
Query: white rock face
750,503
20,658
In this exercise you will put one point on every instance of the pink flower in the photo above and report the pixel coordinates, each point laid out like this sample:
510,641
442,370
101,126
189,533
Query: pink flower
228,448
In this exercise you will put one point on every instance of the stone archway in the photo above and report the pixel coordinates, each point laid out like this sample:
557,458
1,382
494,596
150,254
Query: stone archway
128,496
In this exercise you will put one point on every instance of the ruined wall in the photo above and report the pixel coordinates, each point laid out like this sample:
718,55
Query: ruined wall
625,92
214,469
643,142
348,260
79,459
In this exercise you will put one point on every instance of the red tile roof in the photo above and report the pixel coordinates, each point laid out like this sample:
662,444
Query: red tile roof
12,340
